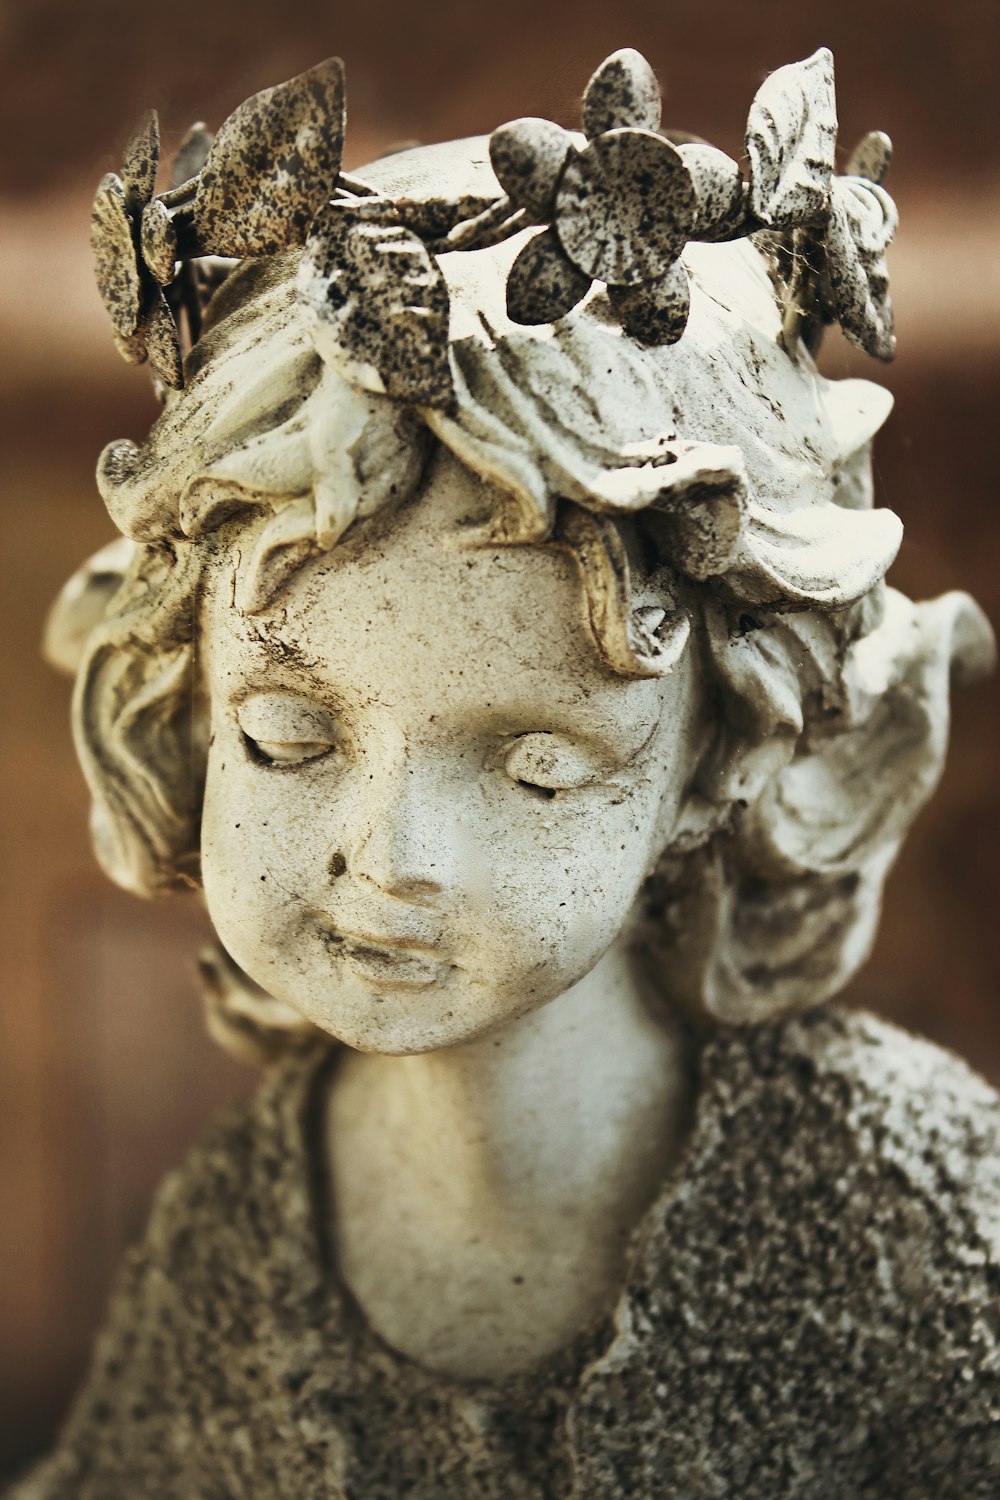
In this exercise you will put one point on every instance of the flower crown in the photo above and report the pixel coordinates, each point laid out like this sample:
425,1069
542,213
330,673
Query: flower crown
616,205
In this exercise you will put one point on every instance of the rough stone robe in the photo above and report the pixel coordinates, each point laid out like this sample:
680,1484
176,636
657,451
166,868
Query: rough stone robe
811,1310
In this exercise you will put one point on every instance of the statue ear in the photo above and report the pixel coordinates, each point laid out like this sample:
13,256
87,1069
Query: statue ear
82,602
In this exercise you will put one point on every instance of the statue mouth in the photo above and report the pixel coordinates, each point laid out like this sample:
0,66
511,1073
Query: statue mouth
388,960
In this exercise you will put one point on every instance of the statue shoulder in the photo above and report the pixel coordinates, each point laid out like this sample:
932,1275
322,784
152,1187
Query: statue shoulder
917,1113
207,1306
816,1292
893,1130
251,1174
883,1175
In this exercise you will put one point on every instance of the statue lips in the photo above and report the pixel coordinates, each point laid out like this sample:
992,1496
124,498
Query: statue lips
402,962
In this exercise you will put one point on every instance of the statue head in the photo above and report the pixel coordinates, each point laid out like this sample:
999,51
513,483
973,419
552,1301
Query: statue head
440,678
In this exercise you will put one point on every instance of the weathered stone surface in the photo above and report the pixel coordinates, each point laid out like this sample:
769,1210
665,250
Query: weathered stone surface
140,161
790,140
808,1313
871,157
378,303
655,312
718,184
159,241
163,345
192,154
861,228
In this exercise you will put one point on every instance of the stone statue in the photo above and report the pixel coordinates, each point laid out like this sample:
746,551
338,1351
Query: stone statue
500,640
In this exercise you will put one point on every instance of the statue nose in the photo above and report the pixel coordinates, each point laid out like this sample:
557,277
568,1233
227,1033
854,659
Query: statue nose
405,847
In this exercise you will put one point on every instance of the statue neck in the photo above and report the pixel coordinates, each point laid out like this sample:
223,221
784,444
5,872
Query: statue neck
525,1156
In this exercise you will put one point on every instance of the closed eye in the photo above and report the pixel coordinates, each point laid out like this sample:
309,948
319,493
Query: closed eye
546,763
286,752
286,729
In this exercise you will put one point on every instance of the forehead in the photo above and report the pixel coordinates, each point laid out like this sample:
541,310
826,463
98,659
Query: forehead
406,615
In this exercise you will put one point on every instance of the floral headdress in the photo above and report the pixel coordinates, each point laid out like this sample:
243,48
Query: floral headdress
615,205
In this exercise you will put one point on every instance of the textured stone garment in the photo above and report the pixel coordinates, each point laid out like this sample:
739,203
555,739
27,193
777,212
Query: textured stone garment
811,1311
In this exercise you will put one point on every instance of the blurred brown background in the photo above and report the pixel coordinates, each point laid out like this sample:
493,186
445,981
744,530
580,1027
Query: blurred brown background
105,1075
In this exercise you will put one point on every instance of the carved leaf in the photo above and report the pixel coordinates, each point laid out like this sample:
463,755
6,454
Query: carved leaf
791,135
117,271
543,285
623,92
718,184
528,156
272,166
140,160
871,157
656,312
379,302
626,207
862,225
192,154
159,242
163,344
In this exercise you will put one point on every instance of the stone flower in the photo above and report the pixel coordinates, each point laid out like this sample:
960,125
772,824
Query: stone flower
836,271
619,209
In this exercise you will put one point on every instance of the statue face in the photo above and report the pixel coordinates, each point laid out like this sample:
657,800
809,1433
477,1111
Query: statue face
429,804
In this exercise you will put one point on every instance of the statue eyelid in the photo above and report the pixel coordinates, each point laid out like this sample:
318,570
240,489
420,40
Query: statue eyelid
285,753
280,730
548,762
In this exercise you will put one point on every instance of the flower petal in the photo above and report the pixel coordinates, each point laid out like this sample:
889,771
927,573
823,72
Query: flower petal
192,154
115,265
273,166
655,312
791,135
718,182
543,285
528,156
871,157
163,344
159,242
140,160
378,302
623,92
626,207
